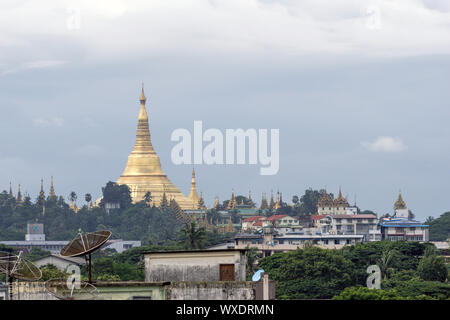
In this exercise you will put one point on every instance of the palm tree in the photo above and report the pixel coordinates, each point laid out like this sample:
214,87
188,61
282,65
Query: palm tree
194,236
73,196
87,198
386,261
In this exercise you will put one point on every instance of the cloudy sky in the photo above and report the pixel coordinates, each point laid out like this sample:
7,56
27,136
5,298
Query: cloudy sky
358,89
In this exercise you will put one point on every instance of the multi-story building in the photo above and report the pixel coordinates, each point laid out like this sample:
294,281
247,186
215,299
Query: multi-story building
401,227
349,224
272,243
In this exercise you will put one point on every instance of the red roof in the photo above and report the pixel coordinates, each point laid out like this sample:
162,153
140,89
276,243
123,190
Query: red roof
318,216
254,218
276,217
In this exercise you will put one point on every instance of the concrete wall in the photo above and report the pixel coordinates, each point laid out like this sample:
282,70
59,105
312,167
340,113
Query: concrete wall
31,291
220,290
193,266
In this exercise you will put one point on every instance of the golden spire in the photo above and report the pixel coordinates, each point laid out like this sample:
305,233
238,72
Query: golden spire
340,201
216,202
52,193
10,190
193,195
232,202
42,193
264,204
142,99
399,204
272,203
230,226
19,195
278,203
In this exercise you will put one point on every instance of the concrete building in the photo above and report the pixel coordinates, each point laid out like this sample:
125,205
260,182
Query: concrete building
401,227
35,238
198,265
404,229
60,262
349,224
269,244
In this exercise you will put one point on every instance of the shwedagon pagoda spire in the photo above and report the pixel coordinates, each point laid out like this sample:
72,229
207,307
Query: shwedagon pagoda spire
143,171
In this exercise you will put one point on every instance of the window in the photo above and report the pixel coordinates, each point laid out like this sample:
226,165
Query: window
325,241
336,241
349,241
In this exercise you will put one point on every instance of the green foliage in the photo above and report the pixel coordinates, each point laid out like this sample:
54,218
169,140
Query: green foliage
253,255
49,271
432,268
194,237
364,293
413,287
308,201
440,227
312,273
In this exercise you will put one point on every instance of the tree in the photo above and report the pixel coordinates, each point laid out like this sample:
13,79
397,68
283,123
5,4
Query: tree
364,293
432,267
49,271
252,257
88,198
308,201
73,197
385,262
148,198
440,227
311,273
194,236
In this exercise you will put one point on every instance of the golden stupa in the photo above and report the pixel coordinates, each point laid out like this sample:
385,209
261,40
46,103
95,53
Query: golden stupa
143,172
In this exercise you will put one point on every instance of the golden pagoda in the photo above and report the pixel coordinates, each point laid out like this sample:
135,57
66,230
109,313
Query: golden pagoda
193,195
143,171
340,201
232,203
216,203
278,203
399,204
52,193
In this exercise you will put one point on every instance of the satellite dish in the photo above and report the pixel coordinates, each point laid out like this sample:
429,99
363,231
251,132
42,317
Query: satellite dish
84,245
257,276
61,290
16,267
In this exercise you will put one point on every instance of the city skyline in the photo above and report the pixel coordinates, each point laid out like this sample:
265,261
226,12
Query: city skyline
355,107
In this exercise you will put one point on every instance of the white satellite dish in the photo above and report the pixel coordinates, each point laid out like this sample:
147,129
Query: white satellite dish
257,276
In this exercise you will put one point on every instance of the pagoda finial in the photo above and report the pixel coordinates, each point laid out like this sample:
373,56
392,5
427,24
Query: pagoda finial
142,99
10,190
52,189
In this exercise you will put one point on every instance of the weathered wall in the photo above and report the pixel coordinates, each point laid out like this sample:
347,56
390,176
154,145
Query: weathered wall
31,291
219,290
212,290
193,266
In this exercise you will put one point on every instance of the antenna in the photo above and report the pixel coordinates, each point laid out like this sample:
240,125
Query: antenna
84,245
